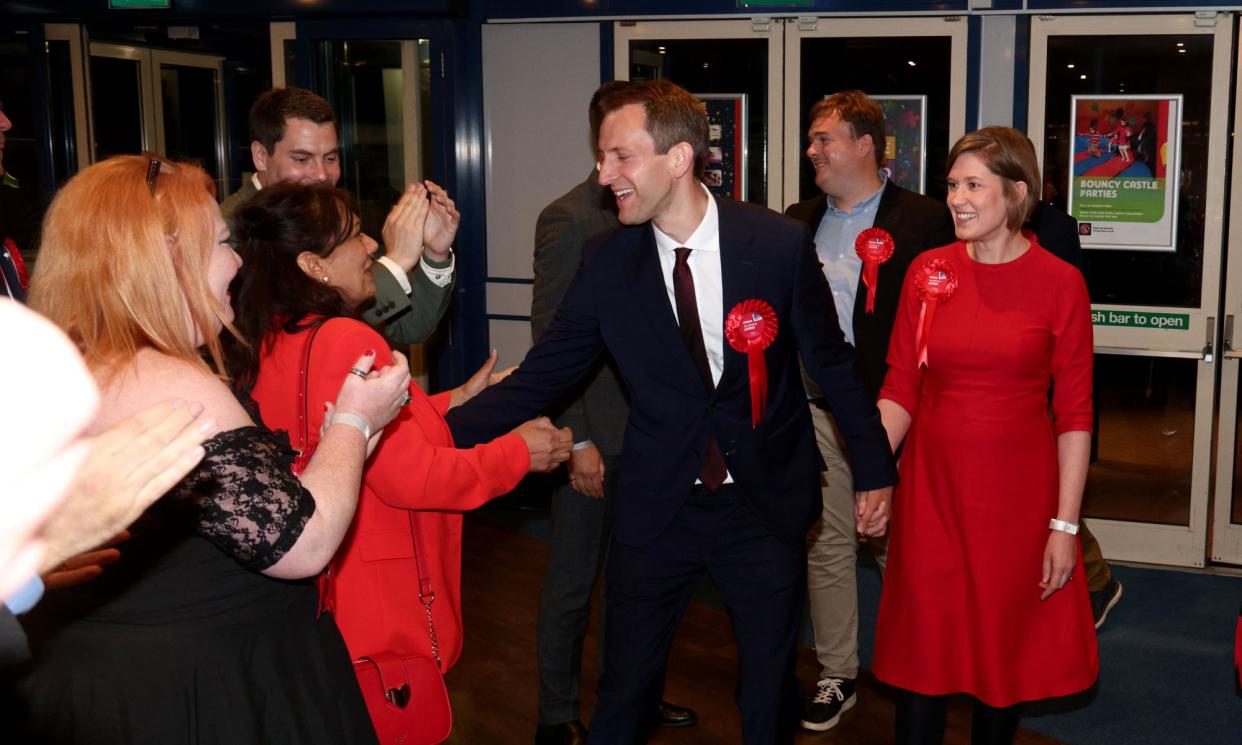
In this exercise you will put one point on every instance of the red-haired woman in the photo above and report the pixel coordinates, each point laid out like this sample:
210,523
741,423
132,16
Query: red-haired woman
196,634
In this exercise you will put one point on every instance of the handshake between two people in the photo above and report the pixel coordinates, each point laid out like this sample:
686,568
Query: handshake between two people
549,446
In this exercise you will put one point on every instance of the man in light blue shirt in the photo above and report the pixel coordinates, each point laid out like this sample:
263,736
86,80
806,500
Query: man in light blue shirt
846,145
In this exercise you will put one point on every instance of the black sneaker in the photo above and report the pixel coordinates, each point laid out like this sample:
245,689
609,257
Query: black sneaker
833,698
1102,601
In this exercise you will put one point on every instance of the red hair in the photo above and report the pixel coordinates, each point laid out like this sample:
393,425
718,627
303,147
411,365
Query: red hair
123,266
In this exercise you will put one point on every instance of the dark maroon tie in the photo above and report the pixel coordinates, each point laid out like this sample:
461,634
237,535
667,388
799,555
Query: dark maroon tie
714,471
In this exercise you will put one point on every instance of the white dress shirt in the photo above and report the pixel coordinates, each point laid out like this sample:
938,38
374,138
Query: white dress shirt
704,263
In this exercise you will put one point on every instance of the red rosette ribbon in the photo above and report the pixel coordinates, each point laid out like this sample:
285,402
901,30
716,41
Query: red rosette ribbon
934,284
750,328
874,246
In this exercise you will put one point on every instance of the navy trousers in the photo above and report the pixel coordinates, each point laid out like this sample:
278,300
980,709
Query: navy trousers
761,580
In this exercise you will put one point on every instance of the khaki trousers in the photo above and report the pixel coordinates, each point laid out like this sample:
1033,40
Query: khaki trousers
832,554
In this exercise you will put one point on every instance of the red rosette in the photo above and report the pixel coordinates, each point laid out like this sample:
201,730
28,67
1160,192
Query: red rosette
874,246
751,328
934,284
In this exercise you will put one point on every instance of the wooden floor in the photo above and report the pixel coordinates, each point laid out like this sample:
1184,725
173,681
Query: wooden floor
495,686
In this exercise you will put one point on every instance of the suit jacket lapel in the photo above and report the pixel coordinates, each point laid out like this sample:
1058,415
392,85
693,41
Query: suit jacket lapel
888,217
651,295
739,274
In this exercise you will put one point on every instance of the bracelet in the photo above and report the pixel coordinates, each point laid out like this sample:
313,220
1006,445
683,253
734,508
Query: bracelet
1063,526
583,445
353,420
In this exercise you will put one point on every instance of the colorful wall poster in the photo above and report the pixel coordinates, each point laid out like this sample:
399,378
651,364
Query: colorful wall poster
1125,152
905,135
726,164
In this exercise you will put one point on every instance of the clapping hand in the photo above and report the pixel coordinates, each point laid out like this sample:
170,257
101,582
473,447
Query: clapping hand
376,396
404,228
442,222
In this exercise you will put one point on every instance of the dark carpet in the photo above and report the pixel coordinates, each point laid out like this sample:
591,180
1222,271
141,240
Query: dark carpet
1166,655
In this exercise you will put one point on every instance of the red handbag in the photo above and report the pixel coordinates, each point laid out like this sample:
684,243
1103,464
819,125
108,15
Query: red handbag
405,694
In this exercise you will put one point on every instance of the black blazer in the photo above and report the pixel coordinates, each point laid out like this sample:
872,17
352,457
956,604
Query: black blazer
1057,232
618,301
917,223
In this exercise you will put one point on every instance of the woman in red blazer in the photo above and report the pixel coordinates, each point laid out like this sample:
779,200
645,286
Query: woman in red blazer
307,266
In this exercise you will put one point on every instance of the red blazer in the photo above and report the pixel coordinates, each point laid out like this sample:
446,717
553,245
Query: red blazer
374,590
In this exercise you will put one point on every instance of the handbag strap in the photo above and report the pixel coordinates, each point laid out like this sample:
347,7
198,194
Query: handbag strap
426,594
303,382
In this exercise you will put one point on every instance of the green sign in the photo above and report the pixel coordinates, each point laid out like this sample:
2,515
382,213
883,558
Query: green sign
161,4
1141,320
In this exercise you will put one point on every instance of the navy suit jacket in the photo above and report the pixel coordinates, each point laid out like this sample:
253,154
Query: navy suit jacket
619,301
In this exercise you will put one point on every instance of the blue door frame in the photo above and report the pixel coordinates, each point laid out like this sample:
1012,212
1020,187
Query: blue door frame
456,162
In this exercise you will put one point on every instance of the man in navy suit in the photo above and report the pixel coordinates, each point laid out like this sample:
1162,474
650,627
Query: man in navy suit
704,488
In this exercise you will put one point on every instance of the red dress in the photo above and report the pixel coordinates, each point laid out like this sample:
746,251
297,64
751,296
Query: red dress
960,609
374,593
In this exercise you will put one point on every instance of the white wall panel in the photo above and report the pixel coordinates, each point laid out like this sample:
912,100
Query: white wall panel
996,56
537,82
505,299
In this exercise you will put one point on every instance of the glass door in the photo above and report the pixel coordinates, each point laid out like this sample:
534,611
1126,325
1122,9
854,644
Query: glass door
915,68
1226,545
152,99
380,90
378,78
735,66
1129,115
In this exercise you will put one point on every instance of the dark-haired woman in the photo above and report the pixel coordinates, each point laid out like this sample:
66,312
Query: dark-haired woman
308,271
980,594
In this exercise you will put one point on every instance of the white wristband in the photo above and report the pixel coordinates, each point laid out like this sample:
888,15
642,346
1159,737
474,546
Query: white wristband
583,445
1064,527
353,420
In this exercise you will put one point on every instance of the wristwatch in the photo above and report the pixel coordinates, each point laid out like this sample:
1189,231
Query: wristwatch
1064,527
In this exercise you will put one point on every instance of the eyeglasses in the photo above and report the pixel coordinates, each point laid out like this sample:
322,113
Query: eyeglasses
155,166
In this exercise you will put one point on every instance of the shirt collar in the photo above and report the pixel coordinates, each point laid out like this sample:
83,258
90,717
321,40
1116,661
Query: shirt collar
862,205
706,237
254,179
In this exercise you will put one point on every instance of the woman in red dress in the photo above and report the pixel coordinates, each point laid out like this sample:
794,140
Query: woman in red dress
307,265
980,596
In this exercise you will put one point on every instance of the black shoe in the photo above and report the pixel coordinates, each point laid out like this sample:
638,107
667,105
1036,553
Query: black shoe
672,715
565,733
1102,601
834,697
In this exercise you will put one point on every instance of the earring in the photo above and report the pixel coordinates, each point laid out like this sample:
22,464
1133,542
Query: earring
324,279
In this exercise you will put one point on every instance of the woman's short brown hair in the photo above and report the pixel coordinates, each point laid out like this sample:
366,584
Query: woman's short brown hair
121,263
1009,154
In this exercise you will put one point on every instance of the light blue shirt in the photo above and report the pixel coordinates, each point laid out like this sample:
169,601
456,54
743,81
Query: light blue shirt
834,243
25,597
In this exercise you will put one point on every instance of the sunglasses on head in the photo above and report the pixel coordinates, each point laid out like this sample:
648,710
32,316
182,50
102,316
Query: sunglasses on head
156,165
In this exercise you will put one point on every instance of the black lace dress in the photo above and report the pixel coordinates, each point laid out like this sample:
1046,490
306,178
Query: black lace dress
182,640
